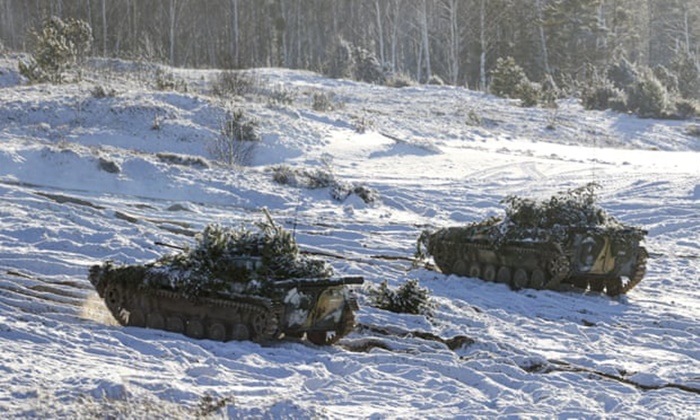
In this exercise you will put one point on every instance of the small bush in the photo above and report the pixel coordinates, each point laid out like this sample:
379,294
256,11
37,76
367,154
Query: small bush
622,73
304,178
667,78
367,67
647,97
58,46
686,67
473,118
550,92
183,160
108,166
399,80
341,64
322,178
508,80
100,92
687,108
601,95
325,102
506,77
237,139
234,83
529,93
166,80
342,190
408,298
208,405
693,130
348,61
434,79
280,97
362,123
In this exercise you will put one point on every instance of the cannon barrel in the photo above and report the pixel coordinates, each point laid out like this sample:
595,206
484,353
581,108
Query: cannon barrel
320,282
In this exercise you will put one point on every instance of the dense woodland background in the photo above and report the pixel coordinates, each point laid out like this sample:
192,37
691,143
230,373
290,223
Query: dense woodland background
457,40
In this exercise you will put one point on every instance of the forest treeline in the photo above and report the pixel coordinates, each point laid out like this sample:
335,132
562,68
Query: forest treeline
456,41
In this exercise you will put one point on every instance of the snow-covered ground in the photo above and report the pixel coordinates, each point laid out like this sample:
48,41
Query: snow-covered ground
84,179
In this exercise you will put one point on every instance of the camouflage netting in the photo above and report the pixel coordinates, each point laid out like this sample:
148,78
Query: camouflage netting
530,220
226,260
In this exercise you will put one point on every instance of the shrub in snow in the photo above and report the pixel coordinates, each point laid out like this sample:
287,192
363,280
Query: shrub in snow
100,92
667,78
324,102
505,77
434,79
647,97
342,190
341,64
280,96
108,166
686,67
408,298
230,83
622,73
183,160
58,46
602,95
693,130
209,405
304,178
348,61
322,178
473,118
686,108
238,136
529,93
399,80
362,123
508,80
166,80
367,66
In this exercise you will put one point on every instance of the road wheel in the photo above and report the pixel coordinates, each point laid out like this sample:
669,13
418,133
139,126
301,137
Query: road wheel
474,270
216,332
240,332
503,275
489,273
156,321
460,268
114,297
538,279
520,278
175,324
194,328
137,318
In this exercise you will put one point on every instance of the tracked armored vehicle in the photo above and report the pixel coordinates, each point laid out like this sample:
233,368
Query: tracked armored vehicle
234,285
565,242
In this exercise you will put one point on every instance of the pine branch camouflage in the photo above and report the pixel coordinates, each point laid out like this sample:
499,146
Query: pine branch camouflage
226,260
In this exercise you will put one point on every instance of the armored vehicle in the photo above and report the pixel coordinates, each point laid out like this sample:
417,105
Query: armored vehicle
567,240
234,285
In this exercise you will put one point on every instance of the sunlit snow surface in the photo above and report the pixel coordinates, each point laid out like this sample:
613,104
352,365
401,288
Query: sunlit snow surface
438,156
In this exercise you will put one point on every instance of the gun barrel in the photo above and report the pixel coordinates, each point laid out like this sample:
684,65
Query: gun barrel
310,282
181,248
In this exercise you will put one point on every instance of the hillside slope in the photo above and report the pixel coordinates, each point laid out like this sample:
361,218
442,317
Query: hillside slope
86,178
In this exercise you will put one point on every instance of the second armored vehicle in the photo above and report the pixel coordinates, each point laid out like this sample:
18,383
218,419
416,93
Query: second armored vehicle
542,245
